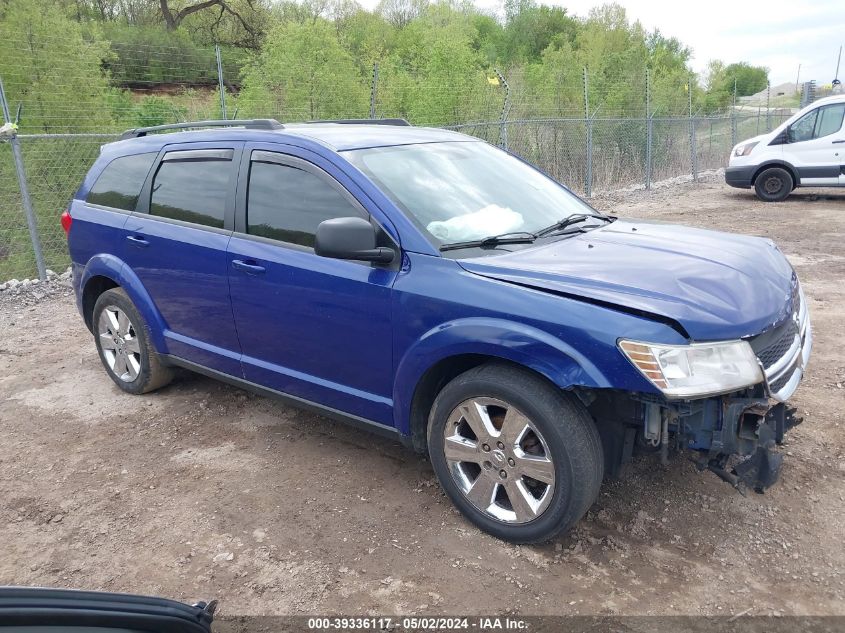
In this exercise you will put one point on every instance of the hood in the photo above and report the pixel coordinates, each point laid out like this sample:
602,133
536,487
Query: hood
716,286
753,139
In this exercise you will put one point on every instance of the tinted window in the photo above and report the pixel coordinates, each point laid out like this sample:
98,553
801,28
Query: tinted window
120,183
830,119
287,204
192,190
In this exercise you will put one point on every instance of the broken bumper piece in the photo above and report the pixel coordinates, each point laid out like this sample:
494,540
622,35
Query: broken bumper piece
761,469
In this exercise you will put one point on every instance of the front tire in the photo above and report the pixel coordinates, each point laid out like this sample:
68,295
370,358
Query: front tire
773,184
518,457
123,342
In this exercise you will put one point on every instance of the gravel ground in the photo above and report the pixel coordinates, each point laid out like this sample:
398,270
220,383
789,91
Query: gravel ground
202,490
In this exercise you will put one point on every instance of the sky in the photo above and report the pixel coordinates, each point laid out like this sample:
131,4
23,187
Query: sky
778,34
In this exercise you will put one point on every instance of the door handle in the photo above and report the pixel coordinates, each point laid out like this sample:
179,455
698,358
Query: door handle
839,140
248,267
137,240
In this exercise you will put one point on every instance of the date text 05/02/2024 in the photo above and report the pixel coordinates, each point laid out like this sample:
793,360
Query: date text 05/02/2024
389,623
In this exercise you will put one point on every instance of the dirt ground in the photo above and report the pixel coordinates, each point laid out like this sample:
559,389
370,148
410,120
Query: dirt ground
202,490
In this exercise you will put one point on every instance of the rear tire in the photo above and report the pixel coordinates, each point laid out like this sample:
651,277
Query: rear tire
536,463
773,184
123,342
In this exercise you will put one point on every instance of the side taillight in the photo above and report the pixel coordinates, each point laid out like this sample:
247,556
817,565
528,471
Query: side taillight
66,221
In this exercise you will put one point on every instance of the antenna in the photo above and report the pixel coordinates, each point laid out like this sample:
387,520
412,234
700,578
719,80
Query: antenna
836,81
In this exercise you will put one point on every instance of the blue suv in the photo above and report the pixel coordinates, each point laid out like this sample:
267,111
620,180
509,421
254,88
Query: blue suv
431,287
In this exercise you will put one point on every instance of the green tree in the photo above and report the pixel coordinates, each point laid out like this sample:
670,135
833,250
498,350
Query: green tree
721,81
49,67
531,28
303,72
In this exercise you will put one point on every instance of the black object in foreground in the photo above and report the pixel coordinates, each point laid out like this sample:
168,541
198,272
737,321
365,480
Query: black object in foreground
25,609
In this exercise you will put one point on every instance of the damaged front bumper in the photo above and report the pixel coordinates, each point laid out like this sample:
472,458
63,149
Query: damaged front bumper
751,425
735,435
751,429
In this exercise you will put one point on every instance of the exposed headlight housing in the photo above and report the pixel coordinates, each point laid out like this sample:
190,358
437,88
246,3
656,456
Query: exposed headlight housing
745,150
696,370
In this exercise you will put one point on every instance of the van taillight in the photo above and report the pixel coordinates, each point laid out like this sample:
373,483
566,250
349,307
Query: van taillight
66,221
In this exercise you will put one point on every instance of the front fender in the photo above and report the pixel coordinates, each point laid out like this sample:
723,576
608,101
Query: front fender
499,338
115,269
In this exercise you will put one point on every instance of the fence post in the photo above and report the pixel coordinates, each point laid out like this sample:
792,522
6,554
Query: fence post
588,176
692,149
25,199
373,91
768,109
648,129
220,81
733,118
506,108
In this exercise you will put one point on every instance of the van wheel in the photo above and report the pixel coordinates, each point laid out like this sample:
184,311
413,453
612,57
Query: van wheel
518,457
123,342
773,184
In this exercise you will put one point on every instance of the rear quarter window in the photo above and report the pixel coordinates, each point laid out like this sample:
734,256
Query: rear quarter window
120,183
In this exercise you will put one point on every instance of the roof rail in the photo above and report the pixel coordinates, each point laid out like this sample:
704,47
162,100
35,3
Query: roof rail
252,124
399,122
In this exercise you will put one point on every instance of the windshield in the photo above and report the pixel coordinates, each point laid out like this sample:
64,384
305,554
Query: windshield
461,191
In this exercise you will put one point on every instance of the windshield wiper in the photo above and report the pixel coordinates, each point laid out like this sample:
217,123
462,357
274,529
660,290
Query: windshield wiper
569,221
520,237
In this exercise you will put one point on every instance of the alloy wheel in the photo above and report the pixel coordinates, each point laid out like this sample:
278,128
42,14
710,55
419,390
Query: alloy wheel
119,342
499,460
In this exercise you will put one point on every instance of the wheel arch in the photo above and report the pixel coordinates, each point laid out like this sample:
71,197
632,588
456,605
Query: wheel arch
105,272
796,180
450,350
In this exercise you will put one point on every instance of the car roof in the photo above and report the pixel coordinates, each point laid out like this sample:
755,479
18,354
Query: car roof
342,137
337,137
829,99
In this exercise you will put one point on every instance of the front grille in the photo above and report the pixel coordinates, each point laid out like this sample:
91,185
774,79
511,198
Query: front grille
780,383
773,351
784,350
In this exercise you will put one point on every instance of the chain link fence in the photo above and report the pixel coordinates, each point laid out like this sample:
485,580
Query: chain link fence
586,137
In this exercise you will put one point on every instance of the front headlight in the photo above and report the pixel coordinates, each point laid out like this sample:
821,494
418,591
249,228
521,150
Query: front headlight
745,150
699,369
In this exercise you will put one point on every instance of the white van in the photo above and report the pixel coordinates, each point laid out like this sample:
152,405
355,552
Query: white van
807,150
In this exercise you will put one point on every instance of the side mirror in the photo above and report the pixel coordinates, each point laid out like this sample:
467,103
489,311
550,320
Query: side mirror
350,238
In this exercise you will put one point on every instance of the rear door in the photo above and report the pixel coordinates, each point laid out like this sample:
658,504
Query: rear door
312,327
176,244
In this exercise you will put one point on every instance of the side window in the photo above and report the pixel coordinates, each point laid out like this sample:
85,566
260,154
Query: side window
830,119
287,204
802,129
820,122
192,186
121,181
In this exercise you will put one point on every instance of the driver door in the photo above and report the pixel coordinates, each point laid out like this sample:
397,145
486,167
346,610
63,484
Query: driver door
813,148
315,328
